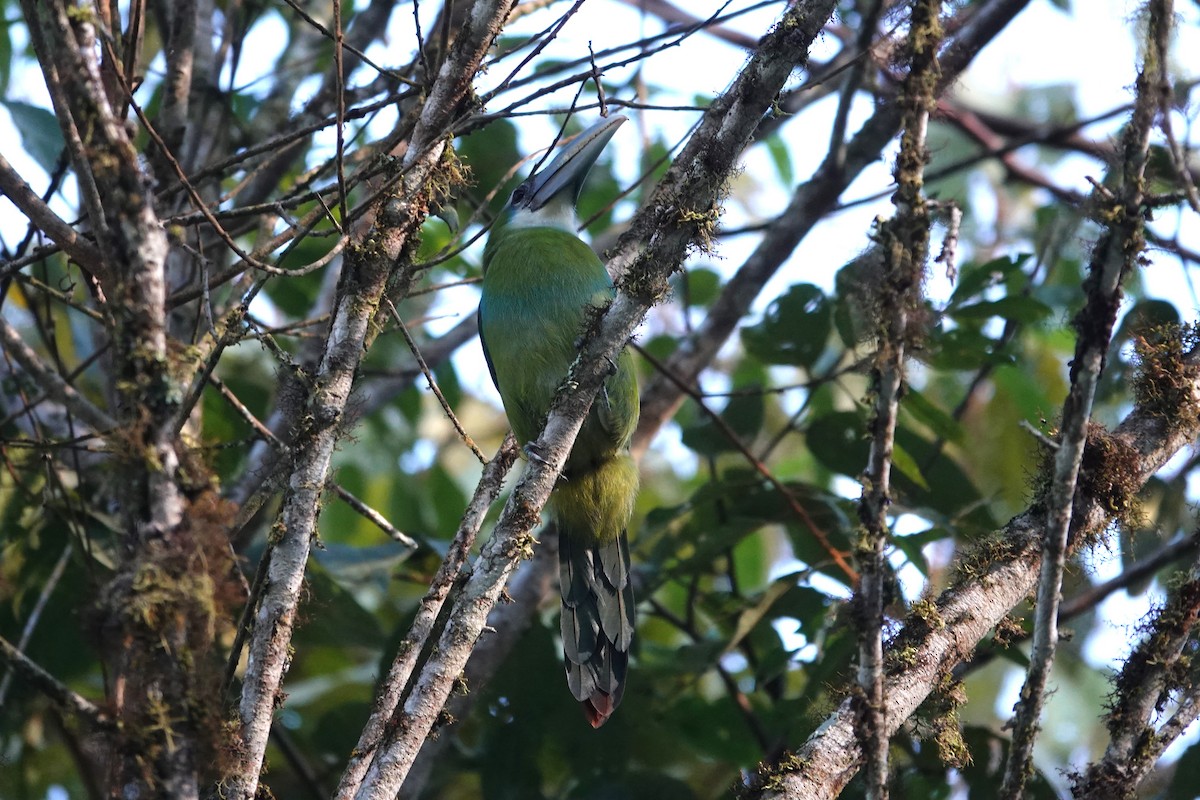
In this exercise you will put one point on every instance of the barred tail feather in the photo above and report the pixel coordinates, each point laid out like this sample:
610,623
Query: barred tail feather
592,510
597,621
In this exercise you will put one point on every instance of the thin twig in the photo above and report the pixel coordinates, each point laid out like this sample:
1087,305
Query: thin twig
904,241
35,614
837,556
71,702
374,516
412,346
50,382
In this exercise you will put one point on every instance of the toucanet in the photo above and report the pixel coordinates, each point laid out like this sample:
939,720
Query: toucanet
541,286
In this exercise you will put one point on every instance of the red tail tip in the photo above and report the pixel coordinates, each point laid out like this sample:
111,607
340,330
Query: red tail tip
598,708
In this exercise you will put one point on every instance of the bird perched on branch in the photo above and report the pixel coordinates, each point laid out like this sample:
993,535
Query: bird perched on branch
542,285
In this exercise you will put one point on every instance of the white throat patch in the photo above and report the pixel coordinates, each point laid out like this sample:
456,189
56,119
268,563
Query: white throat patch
551,215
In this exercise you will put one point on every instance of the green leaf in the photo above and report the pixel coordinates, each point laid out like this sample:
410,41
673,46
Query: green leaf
743,414
490,153
1187,773
750,617
794,329
1018,308
964,348
702,286
838,441
334,617
356,563
40,135
781,158
907,466
977,277
6,56
804,604
924,411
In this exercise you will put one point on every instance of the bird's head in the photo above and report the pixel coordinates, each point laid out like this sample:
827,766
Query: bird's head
548,197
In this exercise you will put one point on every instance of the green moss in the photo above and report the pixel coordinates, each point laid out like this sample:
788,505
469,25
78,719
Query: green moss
1164,378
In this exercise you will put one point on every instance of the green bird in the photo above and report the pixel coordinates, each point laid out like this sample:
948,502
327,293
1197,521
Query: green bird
541,286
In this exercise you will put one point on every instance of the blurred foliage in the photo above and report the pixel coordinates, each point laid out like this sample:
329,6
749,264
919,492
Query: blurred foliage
744,641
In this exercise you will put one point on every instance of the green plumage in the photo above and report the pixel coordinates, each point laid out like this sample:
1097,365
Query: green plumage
541,285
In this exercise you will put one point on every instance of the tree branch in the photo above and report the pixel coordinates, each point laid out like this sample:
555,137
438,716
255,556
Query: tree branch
32,206
810,202
366,276
1116,254
990,584
1157,673
51,383
397,681
72,703
678,217
904,244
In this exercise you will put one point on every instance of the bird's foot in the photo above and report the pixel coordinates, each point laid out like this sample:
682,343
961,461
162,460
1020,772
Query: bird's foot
531,452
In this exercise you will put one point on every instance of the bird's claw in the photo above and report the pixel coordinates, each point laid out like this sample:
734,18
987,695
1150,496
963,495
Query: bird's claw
533,455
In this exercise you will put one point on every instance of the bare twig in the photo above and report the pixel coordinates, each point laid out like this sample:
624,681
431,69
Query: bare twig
374,516
437,392
35,613
50,382
32,206
71,702
837,556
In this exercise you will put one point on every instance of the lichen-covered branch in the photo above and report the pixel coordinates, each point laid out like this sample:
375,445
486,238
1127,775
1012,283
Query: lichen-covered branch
1115,255
679,216
994,579
1157,675
371,264
903,242
392,688
810,202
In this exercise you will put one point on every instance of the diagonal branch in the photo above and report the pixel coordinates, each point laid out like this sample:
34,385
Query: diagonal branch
1116,254
810,203
398,678
71,702
60,232
1158,671
51,383
812,200
991,584
377,261
678,217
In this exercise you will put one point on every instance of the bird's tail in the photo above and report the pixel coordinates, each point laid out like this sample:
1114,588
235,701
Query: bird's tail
592,511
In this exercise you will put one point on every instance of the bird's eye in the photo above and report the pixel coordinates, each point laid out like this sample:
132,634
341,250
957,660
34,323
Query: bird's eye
518,195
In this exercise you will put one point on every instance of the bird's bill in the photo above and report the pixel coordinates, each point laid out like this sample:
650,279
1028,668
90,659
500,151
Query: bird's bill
569,169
